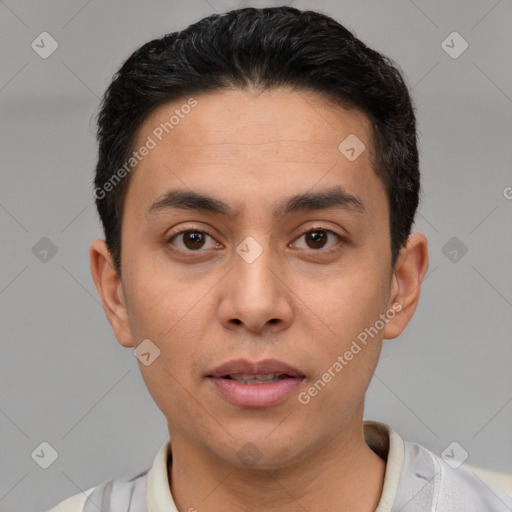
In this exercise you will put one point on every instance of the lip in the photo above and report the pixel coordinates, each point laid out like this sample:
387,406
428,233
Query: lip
245,367
255,395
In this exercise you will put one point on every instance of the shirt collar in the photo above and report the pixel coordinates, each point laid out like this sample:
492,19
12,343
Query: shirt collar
381,438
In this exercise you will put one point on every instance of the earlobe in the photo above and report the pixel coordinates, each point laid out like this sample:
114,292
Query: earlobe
410,269
109,286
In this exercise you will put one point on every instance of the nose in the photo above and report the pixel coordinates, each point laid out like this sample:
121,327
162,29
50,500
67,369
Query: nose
256,296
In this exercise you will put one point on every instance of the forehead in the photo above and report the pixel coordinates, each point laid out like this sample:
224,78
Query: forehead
230,116
249,146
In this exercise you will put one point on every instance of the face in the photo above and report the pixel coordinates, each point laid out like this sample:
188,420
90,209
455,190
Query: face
237,278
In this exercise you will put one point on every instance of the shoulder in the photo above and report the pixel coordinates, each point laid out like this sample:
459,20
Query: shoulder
448,485
119,495
73,503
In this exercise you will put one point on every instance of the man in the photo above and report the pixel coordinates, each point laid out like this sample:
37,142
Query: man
257,182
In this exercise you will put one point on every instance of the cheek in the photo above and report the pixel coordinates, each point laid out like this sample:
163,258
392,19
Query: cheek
175,316
159,303
349,309
170,392
349,302
170,316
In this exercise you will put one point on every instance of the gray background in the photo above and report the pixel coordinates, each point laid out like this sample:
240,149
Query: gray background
64,377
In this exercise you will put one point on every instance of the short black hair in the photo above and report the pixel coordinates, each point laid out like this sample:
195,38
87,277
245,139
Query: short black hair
260,48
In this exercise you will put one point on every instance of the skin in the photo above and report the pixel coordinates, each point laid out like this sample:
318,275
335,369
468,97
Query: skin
300,302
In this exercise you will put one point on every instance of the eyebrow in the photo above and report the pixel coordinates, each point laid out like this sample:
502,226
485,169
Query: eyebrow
334,197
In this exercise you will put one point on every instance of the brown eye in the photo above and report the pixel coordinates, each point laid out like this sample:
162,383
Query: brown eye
191,240
317,238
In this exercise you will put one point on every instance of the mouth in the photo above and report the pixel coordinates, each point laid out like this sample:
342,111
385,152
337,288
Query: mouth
261,378
260,370
255,384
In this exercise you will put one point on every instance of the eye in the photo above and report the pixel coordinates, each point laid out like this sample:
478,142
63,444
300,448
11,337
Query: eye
316,238
192,240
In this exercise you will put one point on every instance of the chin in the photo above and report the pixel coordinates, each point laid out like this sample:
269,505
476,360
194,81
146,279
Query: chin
260,452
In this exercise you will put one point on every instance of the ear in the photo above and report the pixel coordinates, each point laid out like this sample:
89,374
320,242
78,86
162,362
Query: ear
410,269
109,286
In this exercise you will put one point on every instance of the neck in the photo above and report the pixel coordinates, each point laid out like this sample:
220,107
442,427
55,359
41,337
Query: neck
342,474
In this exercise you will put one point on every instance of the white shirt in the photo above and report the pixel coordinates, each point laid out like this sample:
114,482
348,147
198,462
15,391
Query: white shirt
416,480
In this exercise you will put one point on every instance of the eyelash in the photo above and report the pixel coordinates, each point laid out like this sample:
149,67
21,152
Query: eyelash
311,230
